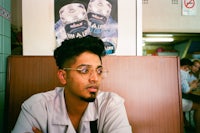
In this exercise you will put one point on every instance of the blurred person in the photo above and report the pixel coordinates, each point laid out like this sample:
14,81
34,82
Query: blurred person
188,85
195,68
194,71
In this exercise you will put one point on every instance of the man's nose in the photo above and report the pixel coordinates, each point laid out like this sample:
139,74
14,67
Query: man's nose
94,76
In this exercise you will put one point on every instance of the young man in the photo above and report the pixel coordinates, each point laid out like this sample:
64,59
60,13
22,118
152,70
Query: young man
188,85
79,106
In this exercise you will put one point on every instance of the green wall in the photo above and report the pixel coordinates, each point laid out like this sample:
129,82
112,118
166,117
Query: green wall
5,51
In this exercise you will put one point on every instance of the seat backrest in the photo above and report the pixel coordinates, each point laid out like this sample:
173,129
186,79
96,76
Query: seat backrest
149,85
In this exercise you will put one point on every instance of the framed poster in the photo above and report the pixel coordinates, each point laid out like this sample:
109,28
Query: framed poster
126,15
78,18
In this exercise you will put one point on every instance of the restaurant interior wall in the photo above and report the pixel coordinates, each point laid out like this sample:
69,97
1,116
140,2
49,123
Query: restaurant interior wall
5,51
168,18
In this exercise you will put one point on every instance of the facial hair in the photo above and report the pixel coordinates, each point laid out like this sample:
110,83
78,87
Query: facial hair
91,98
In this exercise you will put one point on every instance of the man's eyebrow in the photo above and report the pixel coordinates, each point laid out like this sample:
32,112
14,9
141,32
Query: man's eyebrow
99,66
84,65
89,65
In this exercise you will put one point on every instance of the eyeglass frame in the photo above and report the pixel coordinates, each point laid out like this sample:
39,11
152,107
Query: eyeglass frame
80,71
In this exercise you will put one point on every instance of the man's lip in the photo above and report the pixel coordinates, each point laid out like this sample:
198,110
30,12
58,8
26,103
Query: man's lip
92,89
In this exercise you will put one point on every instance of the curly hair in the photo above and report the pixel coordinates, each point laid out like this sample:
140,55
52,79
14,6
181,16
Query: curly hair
74,47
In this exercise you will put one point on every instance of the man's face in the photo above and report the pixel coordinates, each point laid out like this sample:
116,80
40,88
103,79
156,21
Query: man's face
83,80
195,67
185,68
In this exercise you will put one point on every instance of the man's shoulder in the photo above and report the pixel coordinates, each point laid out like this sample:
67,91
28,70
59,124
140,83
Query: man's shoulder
42,98
109,97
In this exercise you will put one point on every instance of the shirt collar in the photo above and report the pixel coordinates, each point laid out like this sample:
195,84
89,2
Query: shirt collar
60,116
91,113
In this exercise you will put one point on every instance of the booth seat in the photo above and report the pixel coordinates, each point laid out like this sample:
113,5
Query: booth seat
150,86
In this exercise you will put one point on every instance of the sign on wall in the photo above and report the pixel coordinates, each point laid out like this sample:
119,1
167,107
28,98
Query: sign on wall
78,18
189,7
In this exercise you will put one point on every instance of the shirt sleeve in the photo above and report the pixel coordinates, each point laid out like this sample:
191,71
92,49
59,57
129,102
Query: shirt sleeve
24,123
115,116
117,121
184,82
29,116
191,78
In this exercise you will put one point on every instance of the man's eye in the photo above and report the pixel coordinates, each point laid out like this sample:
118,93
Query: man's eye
99,70
84,70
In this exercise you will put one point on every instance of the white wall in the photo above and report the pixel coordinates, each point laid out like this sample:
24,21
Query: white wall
157,16
127,27
163,16
38,27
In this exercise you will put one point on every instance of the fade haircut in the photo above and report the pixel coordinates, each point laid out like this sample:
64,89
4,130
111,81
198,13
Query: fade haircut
72,48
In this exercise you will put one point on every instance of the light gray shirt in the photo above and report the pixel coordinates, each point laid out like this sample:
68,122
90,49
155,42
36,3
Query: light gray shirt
47,111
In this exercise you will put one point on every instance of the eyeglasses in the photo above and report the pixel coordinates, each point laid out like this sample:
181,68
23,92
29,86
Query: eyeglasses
86,71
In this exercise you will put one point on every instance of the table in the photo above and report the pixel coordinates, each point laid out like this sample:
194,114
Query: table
194,95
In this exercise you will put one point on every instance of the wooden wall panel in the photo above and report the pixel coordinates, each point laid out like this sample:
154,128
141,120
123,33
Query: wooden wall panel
150,86
27,75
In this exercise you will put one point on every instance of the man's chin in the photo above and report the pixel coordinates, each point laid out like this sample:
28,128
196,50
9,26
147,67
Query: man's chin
91,98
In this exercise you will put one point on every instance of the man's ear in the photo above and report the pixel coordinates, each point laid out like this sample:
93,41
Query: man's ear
62,76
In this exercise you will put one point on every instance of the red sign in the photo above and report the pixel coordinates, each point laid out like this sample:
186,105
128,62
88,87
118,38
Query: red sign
189,3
